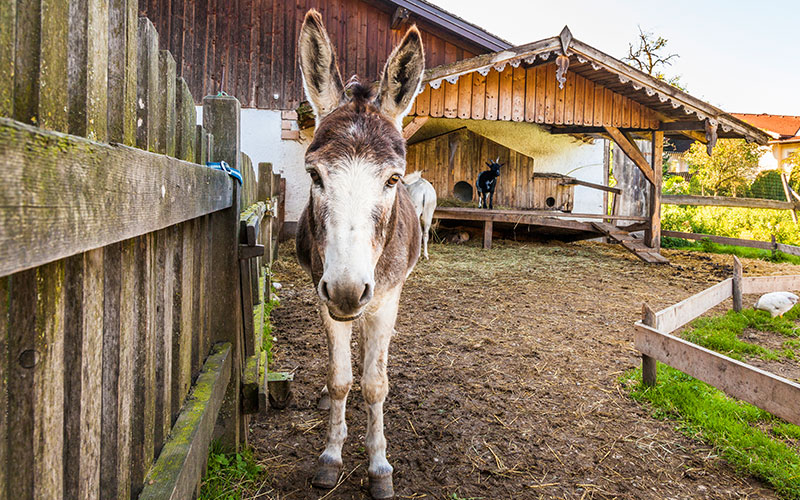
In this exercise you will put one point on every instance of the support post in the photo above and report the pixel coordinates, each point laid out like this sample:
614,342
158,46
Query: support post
222,118
653,232
737,284
648,363
487,234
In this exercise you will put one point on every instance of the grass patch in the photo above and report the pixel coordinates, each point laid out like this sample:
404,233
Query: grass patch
266,327
706,245
721,333
232,476
733,427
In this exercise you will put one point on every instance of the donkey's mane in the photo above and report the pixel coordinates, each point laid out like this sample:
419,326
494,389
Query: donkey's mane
360,94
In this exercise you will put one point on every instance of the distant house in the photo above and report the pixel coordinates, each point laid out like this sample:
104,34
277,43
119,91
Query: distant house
785,133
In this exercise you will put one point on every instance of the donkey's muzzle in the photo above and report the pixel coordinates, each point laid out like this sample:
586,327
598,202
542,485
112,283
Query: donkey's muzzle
345,299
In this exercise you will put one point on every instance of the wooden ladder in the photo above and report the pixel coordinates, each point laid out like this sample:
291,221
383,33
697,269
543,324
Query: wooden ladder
634,245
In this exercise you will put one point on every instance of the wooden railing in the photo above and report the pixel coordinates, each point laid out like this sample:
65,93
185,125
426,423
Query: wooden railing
122,342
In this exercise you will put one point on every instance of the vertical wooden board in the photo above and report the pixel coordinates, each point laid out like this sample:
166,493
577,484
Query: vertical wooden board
492,94
163,336
53,96
437,100
198,356
264,94
541,93
361,69
178,30
186,122
73,335
166,104
618,109
91,375
184,342
109,452
450,99
4,382
636,114
207,263
8,18
465,96
530,94
569,99
588,103
551,92
122,30
423,101
26,60
608,107
125,380
478,96
580,85
88,69
505,94
201,150
599,105
561,94
247,308
518,95
626,112
146,86
176,394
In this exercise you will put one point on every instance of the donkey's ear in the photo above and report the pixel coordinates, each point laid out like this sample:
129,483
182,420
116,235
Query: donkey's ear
321,79
401,77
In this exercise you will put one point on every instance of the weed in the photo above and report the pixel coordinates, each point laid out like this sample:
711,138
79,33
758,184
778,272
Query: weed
730,425
706,245
231,476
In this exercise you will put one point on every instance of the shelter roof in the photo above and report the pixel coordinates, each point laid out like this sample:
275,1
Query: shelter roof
780,127
675,109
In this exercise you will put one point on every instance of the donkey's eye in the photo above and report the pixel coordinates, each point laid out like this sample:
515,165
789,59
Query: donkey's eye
315,178
393,180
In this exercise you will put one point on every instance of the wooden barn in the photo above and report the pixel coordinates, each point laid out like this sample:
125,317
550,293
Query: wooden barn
554,105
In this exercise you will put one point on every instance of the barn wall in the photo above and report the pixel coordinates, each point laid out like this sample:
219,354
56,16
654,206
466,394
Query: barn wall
561,154
251,44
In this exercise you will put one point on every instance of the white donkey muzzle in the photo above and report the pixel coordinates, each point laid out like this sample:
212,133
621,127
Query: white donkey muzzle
345,297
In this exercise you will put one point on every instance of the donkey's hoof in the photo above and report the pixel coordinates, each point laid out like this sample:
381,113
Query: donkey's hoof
380,487
324,402
327,476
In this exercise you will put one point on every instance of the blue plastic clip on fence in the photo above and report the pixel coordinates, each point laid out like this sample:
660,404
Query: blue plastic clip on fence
222,165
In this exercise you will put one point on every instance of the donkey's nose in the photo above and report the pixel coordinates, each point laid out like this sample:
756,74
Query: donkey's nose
345,298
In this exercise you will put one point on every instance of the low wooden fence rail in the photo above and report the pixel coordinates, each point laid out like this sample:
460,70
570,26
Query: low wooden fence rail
653,338
764,245
122,340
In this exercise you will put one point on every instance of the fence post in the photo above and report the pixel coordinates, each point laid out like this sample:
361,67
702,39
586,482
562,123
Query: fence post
648,363
737,284
221,118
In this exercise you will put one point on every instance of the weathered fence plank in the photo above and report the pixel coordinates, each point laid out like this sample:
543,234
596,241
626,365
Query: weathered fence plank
8,18
221,117
186,135
88,68
764,284
147,86
85,195
723,201
763,389
127,355
26,61
177,471
165,136
53,56
673,317
123,24
163,334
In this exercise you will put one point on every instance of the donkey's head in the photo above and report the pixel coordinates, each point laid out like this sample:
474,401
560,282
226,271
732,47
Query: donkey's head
355,161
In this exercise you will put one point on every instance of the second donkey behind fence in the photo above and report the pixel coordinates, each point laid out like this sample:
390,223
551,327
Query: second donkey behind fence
424,197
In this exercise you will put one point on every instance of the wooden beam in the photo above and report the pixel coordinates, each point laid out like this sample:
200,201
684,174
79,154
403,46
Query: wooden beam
652,234
677,315
487,234
649,364
631,150
770,392
693,134
764,284
724,201
592,185
182,459
737,284
681,126
85,195
413,126
766,245
399,18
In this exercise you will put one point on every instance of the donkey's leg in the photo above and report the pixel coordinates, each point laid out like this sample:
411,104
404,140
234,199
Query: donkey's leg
426,228
378,329
340,379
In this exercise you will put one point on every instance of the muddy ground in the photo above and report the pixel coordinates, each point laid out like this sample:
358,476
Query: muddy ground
504,381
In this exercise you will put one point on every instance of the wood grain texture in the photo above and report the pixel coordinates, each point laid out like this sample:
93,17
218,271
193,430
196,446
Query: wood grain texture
147,86
765,284
166,133
770,392
675,316
122,58
8,16
84,186
88,69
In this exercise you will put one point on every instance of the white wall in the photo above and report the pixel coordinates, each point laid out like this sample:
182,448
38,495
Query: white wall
261,141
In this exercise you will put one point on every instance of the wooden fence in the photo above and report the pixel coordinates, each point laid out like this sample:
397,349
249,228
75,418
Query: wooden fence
764,245
653,338
122,340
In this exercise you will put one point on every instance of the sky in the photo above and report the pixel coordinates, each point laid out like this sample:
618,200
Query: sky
741,56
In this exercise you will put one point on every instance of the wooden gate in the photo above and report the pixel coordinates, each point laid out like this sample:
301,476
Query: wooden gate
122,340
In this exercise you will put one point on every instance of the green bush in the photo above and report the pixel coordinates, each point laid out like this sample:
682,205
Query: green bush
746,223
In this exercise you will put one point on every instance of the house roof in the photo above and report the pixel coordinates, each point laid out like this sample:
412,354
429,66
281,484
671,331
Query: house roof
669,103
453,23
780,127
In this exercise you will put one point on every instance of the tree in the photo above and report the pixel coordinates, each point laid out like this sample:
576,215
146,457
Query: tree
729,170
793,162
649,57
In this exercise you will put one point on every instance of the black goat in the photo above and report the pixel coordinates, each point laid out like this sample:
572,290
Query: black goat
487,182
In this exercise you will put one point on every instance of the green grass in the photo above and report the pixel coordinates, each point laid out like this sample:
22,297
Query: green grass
732,427
721,333
706,245
266,328
231,476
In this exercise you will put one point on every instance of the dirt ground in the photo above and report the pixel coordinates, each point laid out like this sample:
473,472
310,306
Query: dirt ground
504,381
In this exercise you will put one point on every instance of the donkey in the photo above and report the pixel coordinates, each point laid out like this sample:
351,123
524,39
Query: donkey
423,195
358,236
487,181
